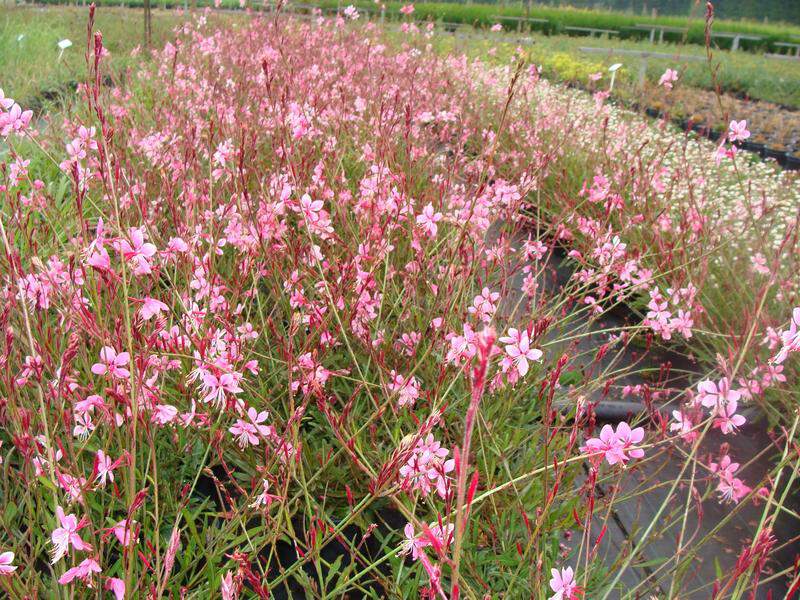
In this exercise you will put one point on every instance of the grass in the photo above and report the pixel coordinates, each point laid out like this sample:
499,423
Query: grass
29,57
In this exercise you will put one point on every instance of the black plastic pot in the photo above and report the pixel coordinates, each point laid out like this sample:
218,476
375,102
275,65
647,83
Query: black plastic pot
745,145
652,112
792,161
754,147
778,154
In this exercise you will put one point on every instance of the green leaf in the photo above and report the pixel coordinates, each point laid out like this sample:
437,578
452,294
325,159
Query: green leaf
570,378
9,512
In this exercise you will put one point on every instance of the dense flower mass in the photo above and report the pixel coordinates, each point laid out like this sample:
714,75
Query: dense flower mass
303,305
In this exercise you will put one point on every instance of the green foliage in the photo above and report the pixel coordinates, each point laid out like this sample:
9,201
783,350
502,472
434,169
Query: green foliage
487,15
568,67
761,10
484,14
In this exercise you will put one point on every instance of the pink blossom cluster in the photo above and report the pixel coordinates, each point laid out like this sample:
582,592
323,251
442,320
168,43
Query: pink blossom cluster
615,445
428,468
789,339
13,120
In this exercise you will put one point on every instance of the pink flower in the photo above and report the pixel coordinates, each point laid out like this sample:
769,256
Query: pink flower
773,375
215,386
597,308
683,425
112,363
725,467
727,420
407,9
311,209
6,558
484,305
730,488
176,244
668,78
125,533
428,219
73,486
563,584
104,467
256,418
99,259
116,586
227,587
67,534
83,572
616,446
435,534
14,121
790,339
137,251
247,432
76,149
427,468
534,249
83,425
519,351
5,102
89,403
412,543
711,394
151,307
407,389
628,438
759,263
164,414
724,152
407,343
462,348
738,131
683,324
265,498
